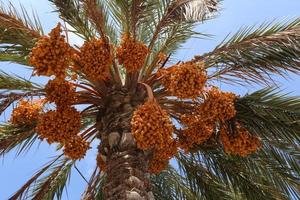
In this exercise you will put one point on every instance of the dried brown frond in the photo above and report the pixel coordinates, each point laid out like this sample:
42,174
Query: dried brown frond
192,10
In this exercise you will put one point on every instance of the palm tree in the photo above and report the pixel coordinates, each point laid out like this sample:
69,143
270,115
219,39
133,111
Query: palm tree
144,111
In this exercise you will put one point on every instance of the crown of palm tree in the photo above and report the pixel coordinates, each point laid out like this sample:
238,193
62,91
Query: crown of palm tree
134,100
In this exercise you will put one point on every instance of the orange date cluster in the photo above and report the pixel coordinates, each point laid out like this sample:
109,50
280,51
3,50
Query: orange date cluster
160,158
59,125
76,148
26,113
95,58
152,129
241,143
217,107
61,92
196,133
51,55
131,54
151,126
185,81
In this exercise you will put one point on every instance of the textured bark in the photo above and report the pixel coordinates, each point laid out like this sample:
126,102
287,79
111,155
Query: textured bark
127,176
127,167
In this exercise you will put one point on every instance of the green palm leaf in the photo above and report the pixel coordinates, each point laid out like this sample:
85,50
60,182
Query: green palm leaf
72,12
18,34
271,115
253,55
12,137
9,82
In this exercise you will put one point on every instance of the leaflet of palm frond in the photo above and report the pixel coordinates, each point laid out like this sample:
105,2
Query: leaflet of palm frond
72,12
170,184
18,33
15,82
13,136
92,189
39,183
235,172
54,183
203,182
194,10
131,16
254,54
12,57
271,115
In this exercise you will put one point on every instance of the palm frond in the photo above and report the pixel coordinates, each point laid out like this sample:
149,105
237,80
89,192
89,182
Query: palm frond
195,10
13,57
271,115
281,164
169,43
275,118
20,137
253,55
245,176
72,12
95,186
9,82
201,181
99,185
18,34
52,185
39,183
169,184
12,18
180,12
120,14
165,33
98,14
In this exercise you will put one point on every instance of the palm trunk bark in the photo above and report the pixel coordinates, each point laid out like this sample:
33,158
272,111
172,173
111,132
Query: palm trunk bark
127,176
126,165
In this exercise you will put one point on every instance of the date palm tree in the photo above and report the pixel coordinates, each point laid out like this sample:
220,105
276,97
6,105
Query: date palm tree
144,110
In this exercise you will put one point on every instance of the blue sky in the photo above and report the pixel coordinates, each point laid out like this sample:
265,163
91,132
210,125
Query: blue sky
14,171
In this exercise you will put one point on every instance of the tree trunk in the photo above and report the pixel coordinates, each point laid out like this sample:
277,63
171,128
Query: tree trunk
127,176
126,165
